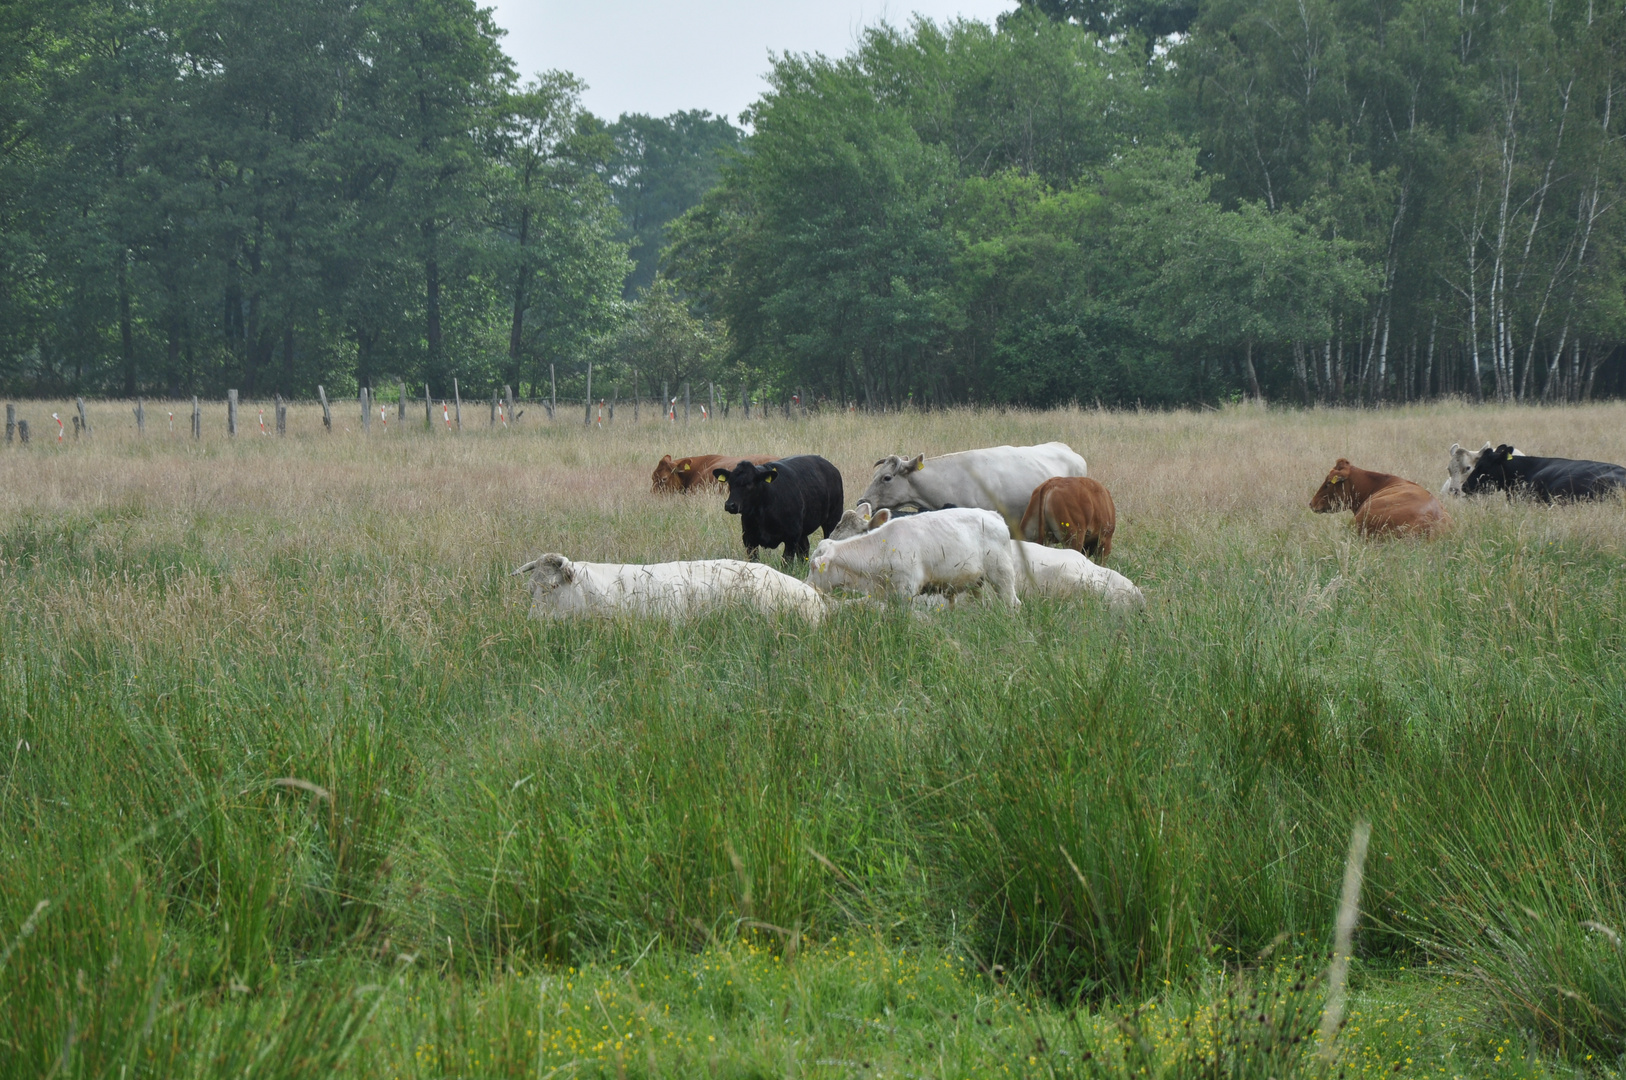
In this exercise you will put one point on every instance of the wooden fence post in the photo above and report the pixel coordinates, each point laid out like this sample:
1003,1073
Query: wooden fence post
493,422
366,412
197,418
327,416
231,414
22,432
634,395
711,388
685,401
428,417
666,399
11,422
141,417
553,392
400,404
587,414
508,396
84,421
282,418
457,398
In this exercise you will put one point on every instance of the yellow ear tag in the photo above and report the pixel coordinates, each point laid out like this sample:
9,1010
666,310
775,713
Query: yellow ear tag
685,467
768,479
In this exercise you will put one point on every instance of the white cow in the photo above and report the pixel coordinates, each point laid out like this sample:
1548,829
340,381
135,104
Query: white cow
949,550
1460,463
1040,571
1062,572
561,587
998,478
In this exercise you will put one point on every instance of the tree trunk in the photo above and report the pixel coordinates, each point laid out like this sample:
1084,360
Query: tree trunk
432,298
516,325
126,332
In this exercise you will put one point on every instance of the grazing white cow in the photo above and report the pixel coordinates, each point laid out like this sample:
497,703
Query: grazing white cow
1062,572
561,587
998,478
1040,571
1460,463
949,550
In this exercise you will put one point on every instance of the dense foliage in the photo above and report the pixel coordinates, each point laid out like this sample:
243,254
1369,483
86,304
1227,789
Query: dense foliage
1153,201
1317,201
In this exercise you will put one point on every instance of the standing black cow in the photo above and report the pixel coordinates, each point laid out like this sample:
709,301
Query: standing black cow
783,501
1547,478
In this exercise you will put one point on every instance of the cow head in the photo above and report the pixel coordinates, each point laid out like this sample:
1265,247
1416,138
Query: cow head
663,479
1334,493
548,572
857,521
891,486
747,484
1490,472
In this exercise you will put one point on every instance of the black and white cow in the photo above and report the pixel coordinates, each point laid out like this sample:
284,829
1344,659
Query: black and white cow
783,501
1546,478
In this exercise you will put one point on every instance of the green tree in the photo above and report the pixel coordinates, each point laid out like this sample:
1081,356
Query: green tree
662,166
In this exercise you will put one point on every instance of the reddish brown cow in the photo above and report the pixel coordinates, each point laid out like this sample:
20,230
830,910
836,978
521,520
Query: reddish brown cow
1384,505
685,474
1075,511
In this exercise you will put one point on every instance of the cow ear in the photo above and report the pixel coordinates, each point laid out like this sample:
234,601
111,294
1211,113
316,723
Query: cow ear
769,472
918,463
686,466
881,517
865,510
721,475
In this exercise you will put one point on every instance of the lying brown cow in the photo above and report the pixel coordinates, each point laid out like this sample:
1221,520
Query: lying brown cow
676,477
1384,505
1076,512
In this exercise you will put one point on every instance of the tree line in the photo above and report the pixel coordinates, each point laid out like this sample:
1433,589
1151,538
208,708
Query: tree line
1153,201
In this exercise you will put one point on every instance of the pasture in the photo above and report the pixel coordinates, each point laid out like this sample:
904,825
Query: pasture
291,786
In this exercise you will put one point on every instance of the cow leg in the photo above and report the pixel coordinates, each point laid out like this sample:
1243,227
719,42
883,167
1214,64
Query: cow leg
999,574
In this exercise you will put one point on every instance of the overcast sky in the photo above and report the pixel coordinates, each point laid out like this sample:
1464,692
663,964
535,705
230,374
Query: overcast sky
656,56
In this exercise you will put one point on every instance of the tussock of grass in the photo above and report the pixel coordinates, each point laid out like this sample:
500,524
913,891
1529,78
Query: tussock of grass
1101,812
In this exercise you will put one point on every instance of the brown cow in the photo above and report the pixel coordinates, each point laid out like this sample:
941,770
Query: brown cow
1076,512
686,474
1384,505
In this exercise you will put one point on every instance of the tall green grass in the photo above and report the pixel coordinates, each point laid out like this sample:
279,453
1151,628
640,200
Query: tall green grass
262,788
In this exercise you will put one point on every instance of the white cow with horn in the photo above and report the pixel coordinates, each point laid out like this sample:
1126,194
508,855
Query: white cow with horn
997,478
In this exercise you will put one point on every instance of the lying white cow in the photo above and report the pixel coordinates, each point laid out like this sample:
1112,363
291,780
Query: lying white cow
1040,571
949,551
561,587
1460,463
999,478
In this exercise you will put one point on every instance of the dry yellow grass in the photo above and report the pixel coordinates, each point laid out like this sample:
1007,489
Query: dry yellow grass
483,495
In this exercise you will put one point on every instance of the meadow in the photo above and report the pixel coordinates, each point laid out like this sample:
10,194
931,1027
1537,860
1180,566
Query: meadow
290,784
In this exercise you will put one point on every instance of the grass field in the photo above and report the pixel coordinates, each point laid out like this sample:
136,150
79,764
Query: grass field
291,786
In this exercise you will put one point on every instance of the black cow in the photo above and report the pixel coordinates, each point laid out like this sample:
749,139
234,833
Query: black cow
783,501
1547,478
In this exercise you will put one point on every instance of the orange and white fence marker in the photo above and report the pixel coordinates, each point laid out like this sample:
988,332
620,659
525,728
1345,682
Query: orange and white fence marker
600,420
705,413
502,414
671,410
383,418
262,423
172,424
446,415
58,420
